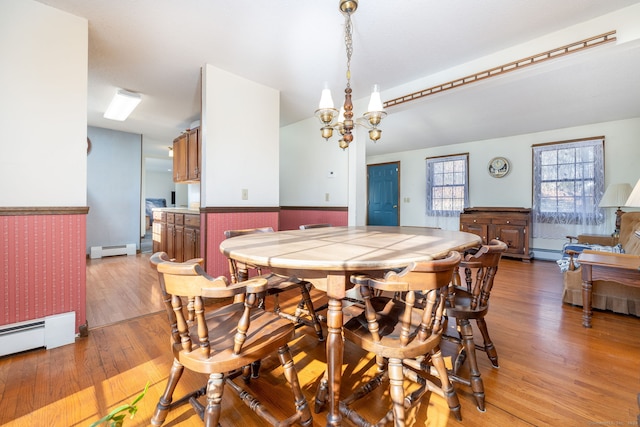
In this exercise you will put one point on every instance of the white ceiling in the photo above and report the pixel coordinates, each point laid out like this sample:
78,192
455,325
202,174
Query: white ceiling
157,47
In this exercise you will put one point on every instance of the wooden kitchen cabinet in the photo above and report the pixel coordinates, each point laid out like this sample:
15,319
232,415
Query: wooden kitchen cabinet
510,225
181,239
180,158
193,155
191,237
159,230
186,156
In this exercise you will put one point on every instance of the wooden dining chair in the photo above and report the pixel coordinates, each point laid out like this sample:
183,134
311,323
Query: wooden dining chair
305,313
470,301
222,342
400,336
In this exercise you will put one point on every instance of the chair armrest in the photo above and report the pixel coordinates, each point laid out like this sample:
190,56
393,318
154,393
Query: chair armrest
613,254
251,286
379,284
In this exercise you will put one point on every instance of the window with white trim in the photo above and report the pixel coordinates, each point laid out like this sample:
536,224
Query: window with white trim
568,183
447,185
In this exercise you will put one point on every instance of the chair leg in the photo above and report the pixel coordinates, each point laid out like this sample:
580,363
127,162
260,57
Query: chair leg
477,386
396,390
322,392
306,298
164,404
215,389
488,348
302,407
447,388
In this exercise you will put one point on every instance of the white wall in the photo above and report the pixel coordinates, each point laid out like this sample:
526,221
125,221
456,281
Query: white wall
240,141
622,154
311,168
159,185
114,188
43,112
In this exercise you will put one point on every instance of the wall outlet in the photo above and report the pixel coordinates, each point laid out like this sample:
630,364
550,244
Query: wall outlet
245,194
326,197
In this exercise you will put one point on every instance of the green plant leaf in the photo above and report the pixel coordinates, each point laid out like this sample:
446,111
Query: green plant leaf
115,415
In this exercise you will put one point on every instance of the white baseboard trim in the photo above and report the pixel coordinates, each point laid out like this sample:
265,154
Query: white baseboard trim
546,254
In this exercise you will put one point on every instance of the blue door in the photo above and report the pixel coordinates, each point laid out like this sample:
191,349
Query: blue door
383,190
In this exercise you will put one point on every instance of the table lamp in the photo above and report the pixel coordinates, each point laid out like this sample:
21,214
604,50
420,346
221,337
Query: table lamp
615,197
634,198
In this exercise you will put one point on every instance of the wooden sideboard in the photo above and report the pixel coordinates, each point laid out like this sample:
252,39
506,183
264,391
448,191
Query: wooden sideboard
510,225
176,232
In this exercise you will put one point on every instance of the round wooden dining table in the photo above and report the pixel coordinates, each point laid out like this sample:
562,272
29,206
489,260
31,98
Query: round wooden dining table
327,257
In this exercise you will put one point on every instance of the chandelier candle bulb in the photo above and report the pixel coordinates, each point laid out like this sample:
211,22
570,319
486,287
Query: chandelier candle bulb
375,102
326,112
326,100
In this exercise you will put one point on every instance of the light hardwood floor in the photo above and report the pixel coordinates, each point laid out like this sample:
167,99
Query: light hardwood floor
553,372
120,288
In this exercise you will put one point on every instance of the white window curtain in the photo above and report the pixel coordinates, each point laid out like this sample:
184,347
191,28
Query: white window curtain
447,189
568,183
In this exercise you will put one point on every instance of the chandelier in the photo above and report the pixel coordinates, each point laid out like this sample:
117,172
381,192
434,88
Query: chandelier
343,121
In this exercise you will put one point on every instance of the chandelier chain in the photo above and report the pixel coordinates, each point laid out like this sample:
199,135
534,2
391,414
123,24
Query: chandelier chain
348,43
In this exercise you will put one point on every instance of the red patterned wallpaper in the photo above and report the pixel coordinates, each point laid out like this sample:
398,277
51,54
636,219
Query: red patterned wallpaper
42,267
291,219
218,223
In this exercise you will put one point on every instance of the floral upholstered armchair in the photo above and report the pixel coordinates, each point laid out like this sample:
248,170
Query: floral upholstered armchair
607,295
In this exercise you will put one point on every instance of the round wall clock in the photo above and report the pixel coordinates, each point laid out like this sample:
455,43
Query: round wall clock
499,167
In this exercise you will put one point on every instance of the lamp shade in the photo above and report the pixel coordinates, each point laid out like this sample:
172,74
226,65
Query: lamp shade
122,104
615,196
634,198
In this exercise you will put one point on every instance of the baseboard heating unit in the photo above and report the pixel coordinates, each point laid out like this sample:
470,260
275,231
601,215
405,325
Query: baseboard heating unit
103,251
50,332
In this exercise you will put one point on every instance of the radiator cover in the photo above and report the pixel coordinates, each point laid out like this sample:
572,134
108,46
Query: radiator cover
103,251
50,332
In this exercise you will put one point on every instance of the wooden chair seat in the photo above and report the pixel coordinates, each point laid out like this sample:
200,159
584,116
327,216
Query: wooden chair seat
388,311
222,342
268,333
463,301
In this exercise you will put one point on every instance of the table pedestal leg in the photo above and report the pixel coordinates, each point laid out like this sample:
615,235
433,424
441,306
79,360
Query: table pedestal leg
335,349
587,289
